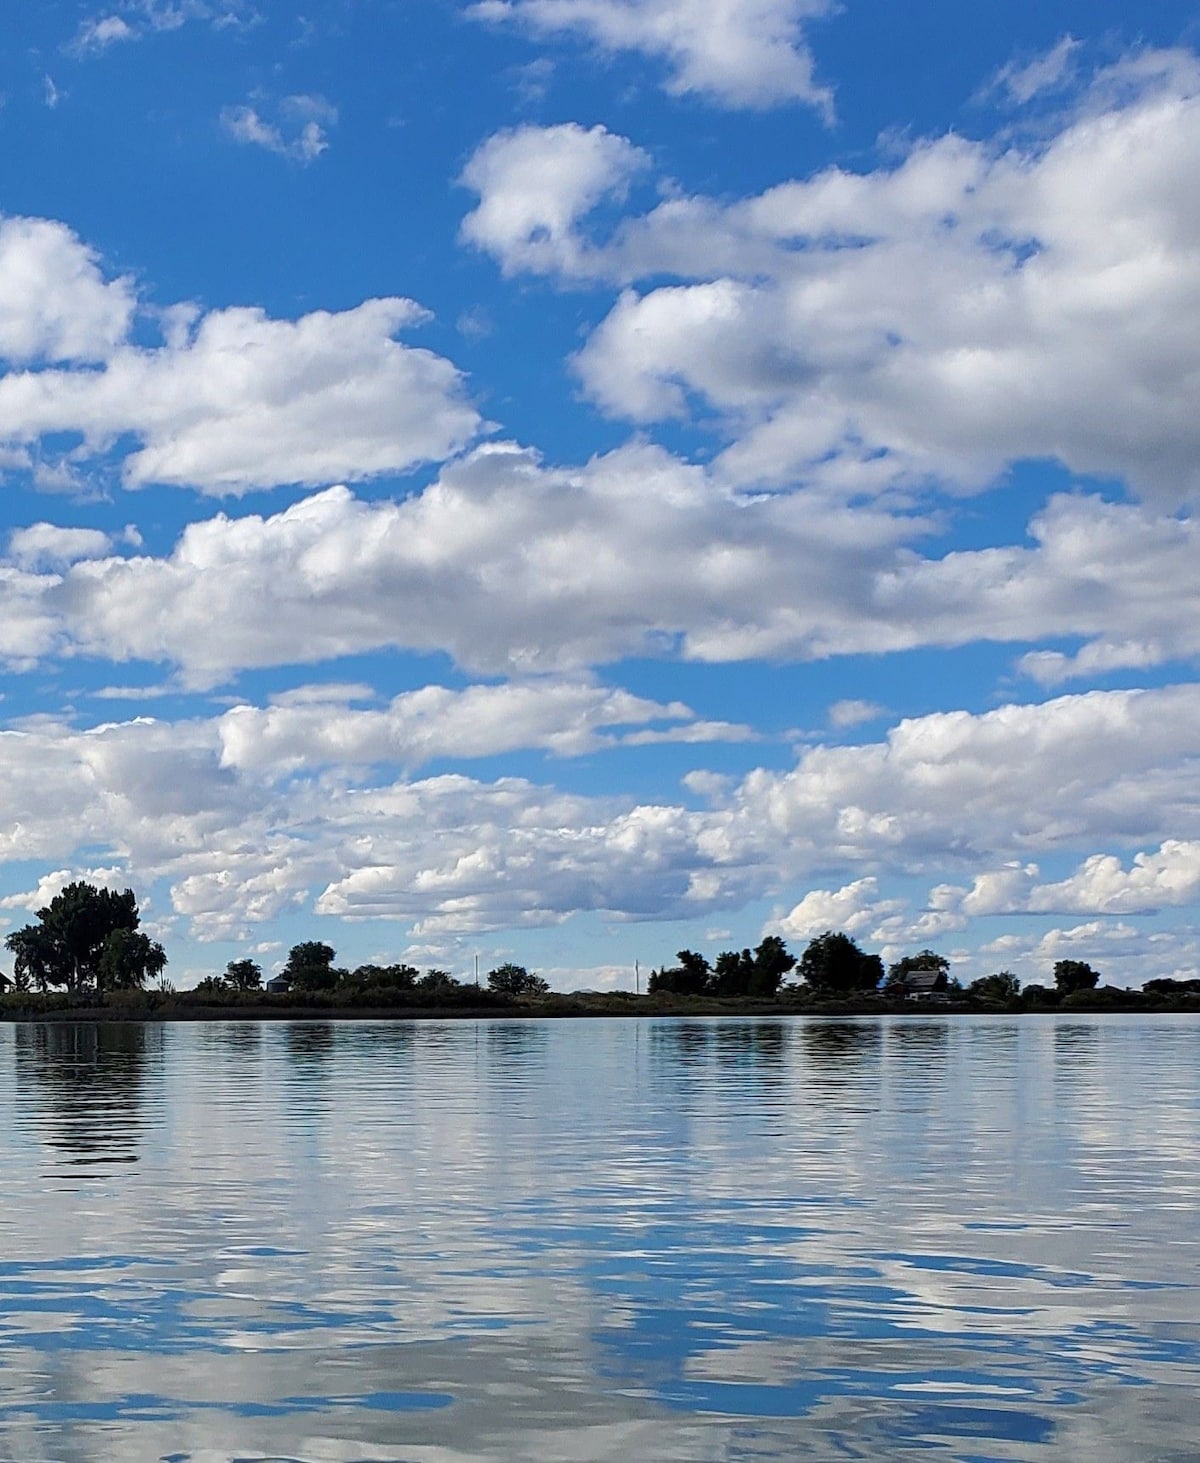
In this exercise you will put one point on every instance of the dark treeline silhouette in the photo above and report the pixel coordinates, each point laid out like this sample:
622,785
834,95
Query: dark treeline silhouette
310,973
86,941
87,951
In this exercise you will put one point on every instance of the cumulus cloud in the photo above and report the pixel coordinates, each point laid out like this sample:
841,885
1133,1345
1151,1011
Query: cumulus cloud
855,908
239,401
739,53
513,567
204,806
51,885
941,318
1104,768
1123,953
1166,877
44,543
55,304
508,566
567,718
535,184
854,713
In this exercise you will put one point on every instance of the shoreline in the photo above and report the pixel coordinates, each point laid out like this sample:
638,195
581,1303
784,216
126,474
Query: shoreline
567,1007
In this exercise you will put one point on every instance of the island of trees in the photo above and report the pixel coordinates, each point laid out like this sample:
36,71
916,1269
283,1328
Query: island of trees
87,953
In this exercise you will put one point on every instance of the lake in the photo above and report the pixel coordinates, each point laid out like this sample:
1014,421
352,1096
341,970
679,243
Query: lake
975,1238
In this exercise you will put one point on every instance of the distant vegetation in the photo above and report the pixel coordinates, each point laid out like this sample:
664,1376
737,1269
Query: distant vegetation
86,951
86,942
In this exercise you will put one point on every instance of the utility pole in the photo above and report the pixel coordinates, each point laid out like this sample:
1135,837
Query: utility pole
477,972
637,978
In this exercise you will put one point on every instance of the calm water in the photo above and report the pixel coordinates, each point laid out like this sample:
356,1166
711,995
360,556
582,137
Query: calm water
694,1240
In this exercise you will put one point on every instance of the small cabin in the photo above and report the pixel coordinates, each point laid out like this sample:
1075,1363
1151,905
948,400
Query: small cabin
278,985
922,985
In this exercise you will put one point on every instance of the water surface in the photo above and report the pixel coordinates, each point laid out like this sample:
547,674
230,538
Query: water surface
636,1240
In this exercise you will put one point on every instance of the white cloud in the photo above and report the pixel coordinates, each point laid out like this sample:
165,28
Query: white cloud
240,401
563,717
507,566
855,908
854,713
1123,954
535,184
941,318
45,544
449,854
1168,877
516,568
51,885
1022,81
740,53
301,133
55,304
129,20
100,32
955,789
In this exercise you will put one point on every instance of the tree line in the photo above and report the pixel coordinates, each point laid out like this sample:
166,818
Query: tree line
833,965
309,970
88,945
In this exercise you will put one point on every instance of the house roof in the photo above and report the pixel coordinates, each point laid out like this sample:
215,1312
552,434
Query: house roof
923,980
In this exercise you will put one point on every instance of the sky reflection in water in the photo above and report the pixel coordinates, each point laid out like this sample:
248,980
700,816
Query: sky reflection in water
690,1240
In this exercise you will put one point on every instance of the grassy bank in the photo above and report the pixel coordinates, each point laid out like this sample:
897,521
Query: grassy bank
472,1004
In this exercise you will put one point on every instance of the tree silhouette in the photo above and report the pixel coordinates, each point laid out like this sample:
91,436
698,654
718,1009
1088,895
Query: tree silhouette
88,941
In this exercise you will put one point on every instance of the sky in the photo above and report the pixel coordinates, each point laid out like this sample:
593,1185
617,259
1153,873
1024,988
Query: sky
566,480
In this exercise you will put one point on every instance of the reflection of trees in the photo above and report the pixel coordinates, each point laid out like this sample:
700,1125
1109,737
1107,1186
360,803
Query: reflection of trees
516,1044
730,1043
691,1057
841,1056
917,1038
81,1084
309,1045
242,1037
1076,1046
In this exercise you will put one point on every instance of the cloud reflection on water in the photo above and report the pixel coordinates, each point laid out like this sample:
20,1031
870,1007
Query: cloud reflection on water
671,1240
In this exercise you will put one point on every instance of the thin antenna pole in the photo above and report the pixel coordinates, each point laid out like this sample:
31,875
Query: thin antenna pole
477,972
637,977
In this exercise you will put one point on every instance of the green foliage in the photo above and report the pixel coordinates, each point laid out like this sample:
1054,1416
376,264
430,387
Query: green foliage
922,961
1074,975
736,973
1166,989
689,978
515,980
772,961
309,966
87,941
244,975
1001,987
834,964
732,973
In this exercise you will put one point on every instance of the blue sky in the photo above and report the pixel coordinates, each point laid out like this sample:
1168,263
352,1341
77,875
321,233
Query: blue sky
563,480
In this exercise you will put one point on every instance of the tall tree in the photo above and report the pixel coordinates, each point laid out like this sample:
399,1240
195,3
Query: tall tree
86,940
310,966
515,980
243,975
772,961
833,964
689,978
1075,975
